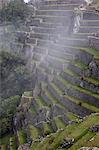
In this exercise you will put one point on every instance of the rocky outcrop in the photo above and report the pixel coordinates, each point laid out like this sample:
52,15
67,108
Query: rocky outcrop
24,147
94,128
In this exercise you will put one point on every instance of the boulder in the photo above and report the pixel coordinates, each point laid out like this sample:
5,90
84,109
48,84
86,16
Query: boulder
94,128
24,147
67,143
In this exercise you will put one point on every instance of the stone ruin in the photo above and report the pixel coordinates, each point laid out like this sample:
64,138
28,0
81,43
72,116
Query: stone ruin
53,40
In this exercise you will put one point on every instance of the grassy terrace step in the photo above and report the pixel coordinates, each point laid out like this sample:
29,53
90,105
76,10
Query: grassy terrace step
86,105
51,25
53,53
60,55
76,109
34,132
55,101
89,50
77,131
82,66
47,128
54,12
89,23
90,29
94,142
77,101
22,137
51,2
82,95
66,83
51,97
74,42
55,48
59,123
72,48
51,140
82,141
56,60
81,35
73,74
91,15
43,36
54,19
32,110
40,102
59,7
47,30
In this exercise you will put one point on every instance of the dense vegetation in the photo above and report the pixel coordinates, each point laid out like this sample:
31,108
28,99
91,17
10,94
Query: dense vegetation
14,11
15,78
7,111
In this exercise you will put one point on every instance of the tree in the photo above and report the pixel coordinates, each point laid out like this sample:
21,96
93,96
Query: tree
15,76
14,11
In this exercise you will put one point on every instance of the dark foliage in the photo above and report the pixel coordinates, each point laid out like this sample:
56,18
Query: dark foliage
14,11
15,77
7,110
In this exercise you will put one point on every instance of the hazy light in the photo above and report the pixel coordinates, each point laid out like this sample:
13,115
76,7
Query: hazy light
26,1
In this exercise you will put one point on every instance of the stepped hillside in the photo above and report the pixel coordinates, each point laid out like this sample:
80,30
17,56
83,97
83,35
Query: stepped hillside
61,43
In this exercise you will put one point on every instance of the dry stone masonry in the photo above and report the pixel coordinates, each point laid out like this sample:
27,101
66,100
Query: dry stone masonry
61,43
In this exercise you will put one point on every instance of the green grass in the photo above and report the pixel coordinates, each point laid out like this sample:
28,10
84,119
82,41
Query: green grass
66,83
32,110
84,104
50,96
40,102
21,137
57,139
74,99
92,80
59,123
82,141
4,141
4,147
34,132
47,129
71,73
82,66
93,142
89,50
72,116
13,145
78,131
28,94
56,88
